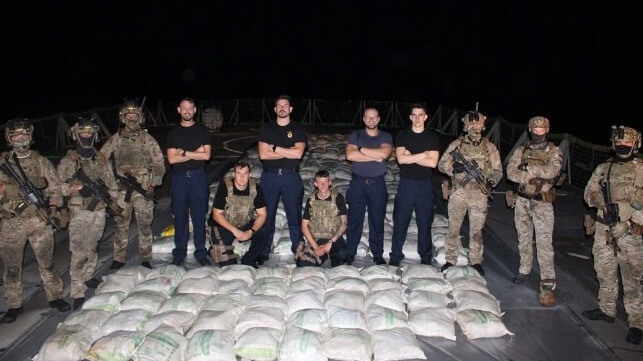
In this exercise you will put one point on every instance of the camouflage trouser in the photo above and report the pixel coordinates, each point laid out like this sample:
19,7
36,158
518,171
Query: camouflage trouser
13,236
143,209
85,230
538,216
606,265
461,201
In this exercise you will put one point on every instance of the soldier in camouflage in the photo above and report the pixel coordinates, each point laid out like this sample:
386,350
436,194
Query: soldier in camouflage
323,225
618,244
237,201
534,167
469,197
86,225
18,227
137,153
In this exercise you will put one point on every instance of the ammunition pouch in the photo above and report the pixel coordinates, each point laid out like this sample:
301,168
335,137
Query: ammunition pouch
223,254
63,215
548,197
220,253
637,229
510,198
446,189
306,253
589,223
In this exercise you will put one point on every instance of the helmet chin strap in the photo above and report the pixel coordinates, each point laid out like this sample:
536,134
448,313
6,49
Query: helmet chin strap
132,126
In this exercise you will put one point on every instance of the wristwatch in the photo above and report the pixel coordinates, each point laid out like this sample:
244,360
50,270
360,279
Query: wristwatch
274,147
183,154
359,149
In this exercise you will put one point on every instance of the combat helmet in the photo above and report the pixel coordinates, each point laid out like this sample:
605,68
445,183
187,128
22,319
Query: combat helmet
85,125
131,107
627,134
474,124
19,126
538,122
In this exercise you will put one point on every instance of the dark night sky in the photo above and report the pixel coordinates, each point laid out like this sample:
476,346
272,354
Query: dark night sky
575,62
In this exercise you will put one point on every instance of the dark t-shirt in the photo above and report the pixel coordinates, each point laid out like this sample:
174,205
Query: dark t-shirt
282,136
222,193
361,139
339,200
190,139
417,143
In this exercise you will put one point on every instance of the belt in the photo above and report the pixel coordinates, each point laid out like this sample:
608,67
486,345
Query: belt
366,180
537,197
188,172
281,171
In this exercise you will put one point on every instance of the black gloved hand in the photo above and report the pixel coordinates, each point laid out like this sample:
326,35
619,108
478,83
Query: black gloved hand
458,167
523,166
85,192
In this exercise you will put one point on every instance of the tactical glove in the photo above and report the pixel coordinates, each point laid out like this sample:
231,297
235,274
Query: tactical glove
596,200
619,230
458,167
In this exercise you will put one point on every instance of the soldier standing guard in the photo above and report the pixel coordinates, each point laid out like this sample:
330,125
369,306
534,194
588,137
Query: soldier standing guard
616,190
23,220
535,167
467,195
87,209
136,153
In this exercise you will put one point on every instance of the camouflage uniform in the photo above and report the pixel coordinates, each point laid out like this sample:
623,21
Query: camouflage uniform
138,153
534,205
85,227
28,226
626,179
325,221
469,198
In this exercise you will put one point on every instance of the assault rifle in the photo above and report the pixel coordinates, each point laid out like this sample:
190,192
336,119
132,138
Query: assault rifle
28,192
131,184
610,214
472,171
100,193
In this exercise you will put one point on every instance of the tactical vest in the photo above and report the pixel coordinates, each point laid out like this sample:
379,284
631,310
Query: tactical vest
132,156
94,169
324,217
31,166
239,209
478,153
537,156
624,180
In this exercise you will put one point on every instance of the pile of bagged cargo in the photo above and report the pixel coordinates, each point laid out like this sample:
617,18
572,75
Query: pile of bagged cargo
275,313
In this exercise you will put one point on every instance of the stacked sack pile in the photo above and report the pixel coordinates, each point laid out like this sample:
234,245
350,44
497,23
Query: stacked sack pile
274,313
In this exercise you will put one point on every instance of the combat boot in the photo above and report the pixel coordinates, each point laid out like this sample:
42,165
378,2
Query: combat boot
379,260
92,283
634,336
598,315
60,305
478,267
78,302
117,265
12,314
520,278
